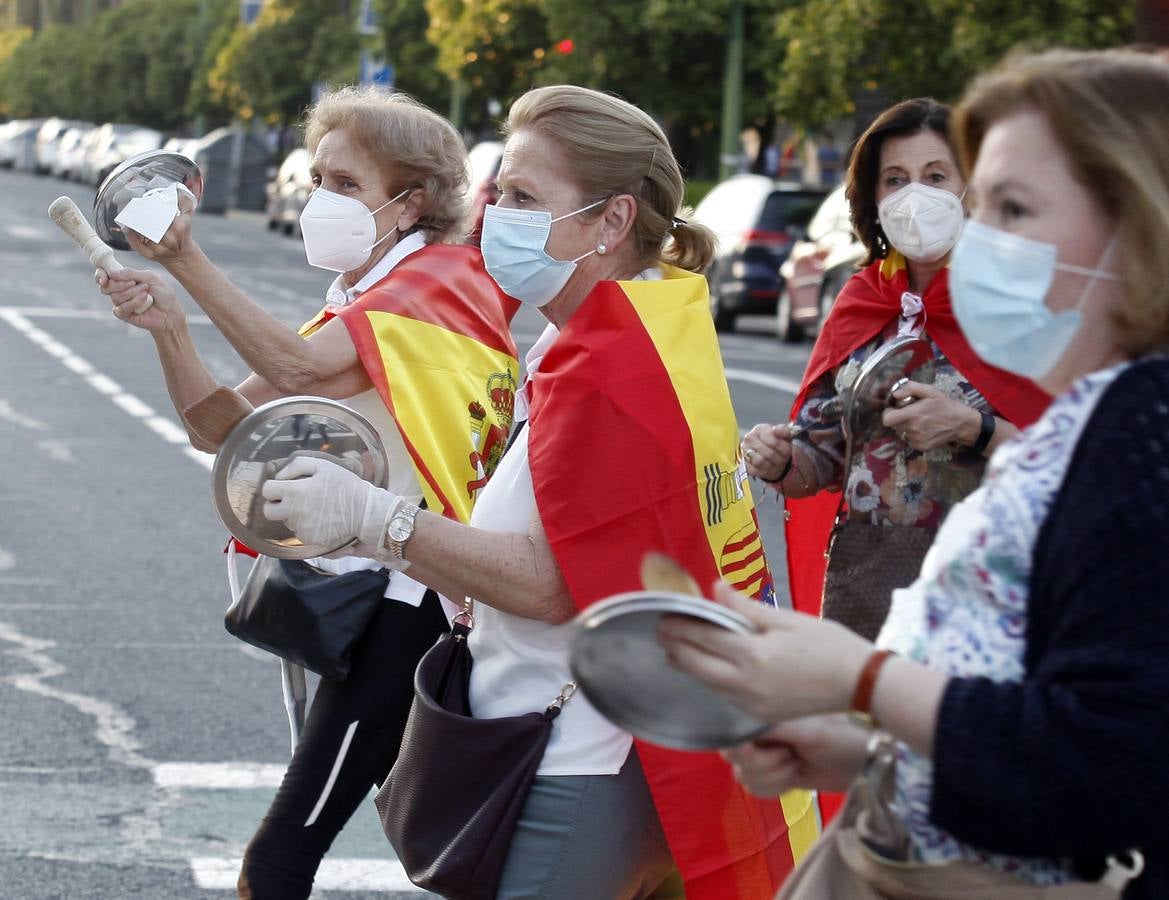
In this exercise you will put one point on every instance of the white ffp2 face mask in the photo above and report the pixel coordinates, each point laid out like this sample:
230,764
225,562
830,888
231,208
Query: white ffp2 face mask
998,287
340,232
922,222
513,242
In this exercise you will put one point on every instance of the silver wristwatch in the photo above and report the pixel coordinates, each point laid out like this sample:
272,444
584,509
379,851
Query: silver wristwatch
400,529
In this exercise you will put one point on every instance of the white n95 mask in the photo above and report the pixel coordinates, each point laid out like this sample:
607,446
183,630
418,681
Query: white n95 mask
513,242
998,284
922,222
340,232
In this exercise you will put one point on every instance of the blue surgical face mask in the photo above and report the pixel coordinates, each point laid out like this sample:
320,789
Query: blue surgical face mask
513,242
998,284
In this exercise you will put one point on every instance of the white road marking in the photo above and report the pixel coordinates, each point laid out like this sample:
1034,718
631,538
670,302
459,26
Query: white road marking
777,382
58,451
70,312
217,874
219,775
112,728
103,384
8,414
28,232
7,560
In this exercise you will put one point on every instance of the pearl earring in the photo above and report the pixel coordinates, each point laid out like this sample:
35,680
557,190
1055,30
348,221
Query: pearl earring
602,249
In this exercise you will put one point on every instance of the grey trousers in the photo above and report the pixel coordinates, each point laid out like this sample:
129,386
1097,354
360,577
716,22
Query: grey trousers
590,837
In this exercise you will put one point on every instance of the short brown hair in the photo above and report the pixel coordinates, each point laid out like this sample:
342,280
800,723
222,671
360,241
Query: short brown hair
616,148
864,168
1109,111
415,146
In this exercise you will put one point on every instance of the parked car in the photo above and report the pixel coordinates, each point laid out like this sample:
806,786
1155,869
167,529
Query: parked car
80,170
117,142
756,221
288,192
18,144
70,150
49,137
817,268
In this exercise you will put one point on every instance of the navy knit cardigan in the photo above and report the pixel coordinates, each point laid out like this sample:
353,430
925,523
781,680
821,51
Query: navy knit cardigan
1074,760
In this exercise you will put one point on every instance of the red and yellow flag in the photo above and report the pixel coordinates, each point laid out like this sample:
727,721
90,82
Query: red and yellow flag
434,337
634,447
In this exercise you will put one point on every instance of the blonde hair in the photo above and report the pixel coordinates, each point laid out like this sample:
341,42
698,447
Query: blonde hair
415,147
1109,110
616,148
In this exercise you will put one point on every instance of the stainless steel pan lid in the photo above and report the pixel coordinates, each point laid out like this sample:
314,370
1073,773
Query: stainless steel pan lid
617,661
262,443
904,356
133,178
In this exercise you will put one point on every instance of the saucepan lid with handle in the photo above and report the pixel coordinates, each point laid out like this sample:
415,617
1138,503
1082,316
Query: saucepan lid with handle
132,179
264,441
619,665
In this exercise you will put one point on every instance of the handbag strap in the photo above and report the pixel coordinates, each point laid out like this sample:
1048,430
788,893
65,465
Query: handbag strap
462,625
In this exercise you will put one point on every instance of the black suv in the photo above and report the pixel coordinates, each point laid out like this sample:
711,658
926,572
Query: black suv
756,221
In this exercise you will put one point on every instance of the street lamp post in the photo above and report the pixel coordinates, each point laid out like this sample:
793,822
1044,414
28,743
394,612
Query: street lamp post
732,92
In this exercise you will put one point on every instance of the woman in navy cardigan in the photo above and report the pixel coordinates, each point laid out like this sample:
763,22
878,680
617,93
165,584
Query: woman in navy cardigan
1025,674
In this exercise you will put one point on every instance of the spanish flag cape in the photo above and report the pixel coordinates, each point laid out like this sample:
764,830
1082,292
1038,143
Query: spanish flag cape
870,300
434,337
633,448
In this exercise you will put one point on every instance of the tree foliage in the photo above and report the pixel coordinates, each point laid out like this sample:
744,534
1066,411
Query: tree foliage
403,25
839,50
806,62
267,70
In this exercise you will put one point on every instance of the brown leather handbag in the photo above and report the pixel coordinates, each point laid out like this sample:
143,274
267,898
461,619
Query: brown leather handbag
866,563
864,855
451,803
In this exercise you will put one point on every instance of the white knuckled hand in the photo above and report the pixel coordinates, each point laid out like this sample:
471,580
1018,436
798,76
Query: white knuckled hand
326,504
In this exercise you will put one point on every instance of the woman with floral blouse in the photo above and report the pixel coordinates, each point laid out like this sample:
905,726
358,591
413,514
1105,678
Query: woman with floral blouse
906,196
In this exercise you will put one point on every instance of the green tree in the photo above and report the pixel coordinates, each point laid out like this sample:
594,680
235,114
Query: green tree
267,70
491,48
403,25
838,50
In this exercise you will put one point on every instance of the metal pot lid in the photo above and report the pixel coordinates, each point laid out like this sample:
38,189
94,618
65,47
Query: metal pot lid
617,661
133,178
905,356
262,443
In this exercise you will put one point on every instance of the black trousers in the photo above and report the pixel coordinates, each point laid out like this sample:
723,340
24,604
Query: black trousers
354,726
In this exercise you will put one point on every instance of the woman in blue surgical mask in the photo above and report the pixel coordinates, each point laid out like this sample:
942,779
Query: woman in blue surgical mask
629,445
387,207
875,521
1022,678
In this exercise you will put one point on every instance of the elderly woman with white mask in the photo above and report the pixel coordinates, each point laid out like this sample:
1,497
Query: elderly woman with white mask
414,336
1023,675
906,194
630,445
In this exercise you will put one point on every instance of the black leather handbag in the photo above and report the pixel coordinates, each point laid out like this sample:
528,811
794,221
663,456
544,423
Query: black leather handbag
451,803
304,615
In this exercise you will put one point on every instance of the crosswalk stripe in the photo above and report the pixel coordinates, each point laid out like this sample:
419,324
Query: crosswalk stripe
219,775
221,874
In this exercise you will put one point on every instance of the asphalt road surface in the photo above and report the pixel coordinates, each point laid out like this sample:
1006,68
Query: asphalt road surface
139,742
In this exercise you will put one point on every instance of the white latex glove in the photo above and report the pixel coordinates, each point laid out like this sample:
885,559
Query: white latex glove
324,503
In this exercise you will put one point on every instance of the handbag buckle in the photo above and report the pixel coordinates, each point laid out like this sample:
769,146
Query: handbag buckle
565,695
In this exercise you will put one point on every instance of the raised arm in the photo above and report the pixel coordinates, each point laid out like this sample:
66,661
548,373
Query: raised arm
327,365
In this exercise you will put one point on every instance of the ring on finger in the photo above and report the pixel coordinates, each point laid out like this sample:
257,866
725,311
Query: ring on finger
748,453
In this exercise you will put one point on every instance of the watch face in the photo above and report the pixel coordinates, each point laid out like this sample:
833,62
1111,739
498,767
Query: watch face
400,528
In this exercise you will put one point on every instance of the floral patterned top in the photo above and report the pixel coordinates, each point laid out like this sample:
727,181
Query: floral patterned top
890,482
966,615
